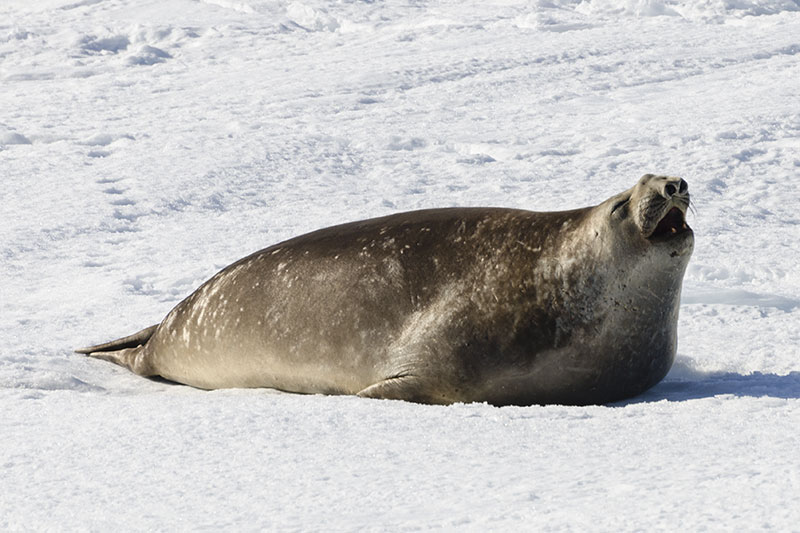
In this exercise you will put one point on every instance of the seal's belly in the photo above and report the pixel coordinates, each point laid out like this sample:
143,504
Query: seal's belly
251,349
238,358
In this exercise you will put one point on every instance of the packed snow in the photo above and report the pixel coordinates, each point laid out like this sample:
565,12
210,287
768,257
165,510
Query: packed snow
145,144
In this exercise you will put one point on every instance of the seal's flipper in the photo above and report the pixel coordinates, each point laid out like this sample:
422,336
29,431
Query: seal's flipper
131,341
121,357
134,359
127,351
408,388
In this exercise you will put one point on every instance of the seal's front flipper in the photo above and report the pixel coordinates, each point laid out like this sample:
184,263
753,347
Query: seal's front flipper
408,388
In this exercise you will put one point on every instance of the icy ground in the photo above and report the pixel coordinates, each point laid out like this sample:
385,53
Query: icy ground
145,144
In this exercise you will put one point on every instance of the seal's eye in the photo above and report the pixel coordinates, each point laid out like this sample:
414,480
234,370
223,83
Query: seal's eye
619,204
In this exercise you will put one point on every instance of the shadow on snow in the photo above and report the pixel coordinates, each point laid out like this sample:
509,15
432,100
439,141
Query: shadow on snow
753,385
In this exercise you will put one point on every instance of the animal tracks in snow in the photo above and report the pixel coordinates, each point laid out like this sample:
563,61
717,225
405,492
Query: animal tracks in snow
136,48
103,144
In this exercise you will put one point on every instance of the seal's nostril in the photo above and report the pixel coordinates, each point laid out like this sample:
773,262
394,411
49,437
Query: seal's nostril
669,189
683,186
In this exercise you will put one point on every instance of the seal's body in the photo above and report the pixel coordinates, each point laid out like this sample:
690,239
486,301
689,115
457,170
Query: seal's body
445,305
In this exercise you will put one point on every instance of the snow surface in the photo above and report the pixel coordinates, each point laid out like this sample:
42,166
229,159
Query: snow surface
145,144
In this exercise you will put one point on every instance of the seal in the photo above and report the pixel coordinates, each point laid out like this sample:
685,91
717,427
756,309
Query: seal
438,306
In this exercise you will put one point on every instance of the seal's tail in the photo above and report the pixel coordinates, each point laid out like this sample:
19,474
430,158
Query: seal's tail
131,341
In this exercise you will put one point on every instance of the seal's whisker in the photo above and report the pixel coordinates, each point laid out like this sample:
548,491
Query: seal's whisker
691,207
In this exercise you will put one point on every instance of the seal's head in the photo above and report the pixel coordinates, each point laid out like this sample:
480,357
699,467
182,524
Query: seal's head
625,301
653,215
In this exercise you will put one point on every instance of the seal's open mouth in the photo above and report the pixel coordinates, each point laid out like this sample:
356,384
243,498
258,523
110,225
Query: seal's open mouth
673,223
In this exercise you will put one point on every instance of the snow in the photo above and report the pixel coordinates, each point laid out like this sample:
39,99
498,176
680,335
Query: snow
146,144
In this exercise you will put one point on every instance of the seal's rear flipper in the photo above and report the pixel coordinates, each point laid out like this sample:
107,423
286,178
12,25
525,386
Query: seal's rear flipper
131,341
408,388
126,357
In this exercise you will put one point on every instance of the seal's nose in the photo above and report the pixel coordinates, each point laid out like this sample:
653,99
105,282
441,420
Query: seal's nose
675,185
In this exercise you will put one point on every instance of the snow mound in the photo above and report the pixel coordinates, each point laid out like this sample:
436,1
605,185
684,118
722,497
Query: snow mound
147,55
310,19
712,10
13,137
